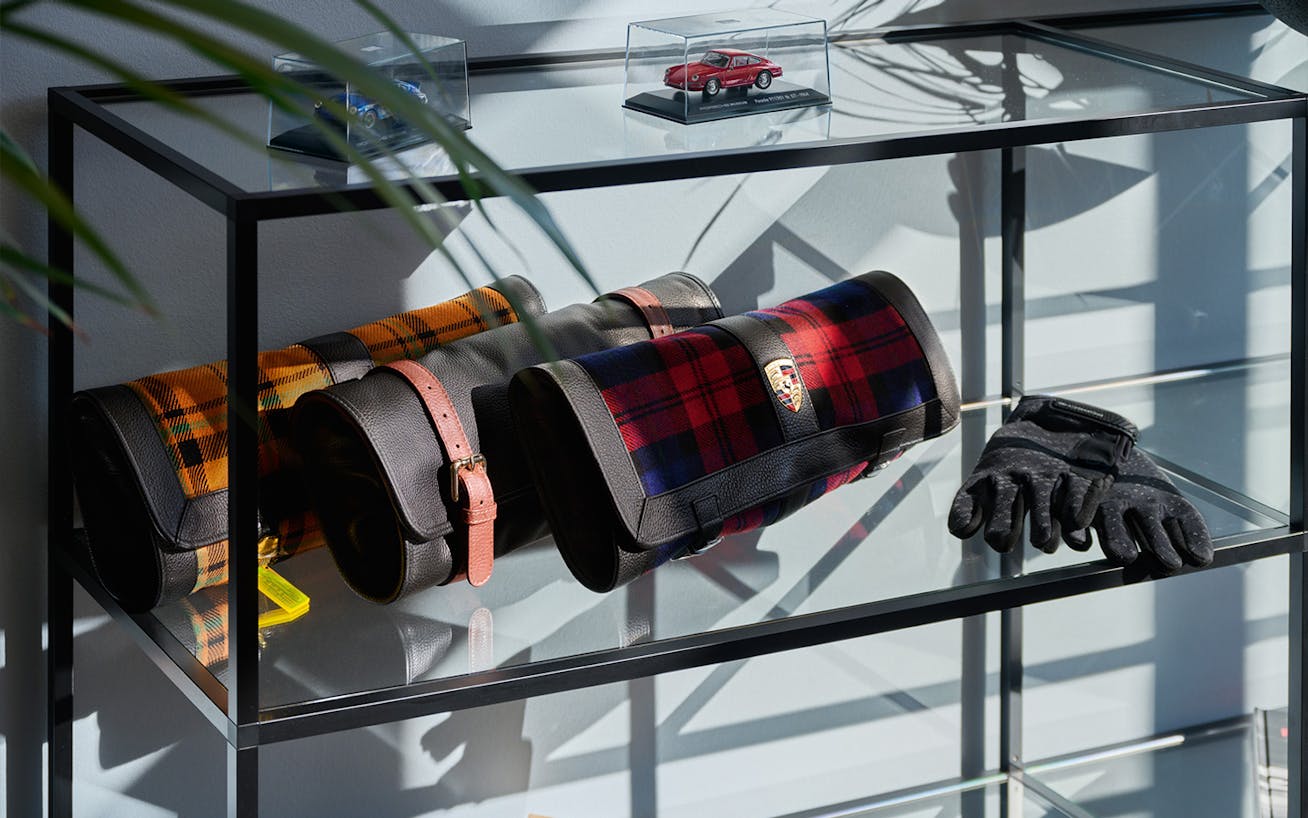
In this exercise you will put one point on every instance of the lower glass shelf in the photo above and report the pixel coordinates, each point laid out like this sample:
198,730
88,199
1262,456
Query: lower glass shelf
979,799
872,557
1208,771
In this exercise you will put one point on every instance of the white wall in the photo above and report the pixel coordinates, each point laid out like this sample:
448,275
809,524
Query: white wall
1104,241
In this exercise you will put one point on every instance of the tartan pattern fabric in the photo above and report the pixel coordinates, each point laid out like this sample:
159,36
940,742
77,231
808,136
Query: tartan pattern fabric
855,354
189,410
414,334
767,514
686,405
210,565
207,616
694,403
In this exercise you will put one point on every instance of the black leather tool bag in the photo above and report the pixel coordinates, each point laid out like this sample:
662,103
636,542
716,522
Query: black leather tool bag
655,451
150,456
379,467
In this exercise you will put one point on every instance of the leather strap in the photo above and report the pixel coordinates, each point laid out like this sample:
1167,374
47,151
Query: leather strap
656,316
470,485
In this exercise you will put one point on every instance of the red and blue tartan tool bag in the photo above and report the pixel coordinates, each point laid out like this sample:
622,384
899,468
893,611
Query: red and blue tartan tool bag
414,469
655,451
150,456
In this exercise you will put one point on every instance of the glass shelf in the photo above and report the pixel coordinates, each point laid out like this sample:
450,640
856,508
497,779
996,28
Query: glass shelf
881,89
881,540
1209,771
981,800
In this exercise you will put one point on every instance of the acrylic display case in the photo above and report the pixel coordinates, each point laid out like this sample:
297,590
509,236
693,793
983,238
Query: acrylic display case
436,75
714,66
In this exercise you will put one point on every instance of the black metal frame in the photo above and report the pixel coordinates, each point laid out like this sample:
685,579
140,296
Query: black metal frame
236,712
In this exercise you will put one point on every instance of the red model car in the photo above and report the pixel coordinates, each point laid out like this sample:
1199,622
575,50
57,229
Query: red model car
722,68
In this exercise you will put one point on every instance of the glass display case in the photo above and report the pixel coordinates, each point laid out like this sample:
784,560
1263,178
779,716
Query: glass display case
833,573
433,72
714,66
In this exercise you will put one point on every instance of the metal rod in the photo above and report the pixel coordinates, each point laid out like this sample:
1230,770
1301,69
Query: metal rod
242,782
59,585
243,471
1019,781
976,559
148,151
1012,310
1298,723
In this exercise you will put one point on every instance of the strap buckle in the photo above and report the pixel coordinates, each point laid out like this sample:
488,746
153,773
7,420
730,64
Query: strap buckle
470,463
692,551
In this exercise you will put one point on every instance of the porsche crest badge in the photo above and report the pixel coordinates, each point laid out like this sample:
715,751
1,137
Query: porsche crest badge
784,377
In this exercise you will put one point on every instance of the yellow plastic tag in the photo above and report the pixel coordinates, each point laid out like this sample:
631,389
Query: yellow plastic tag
292,603
278,616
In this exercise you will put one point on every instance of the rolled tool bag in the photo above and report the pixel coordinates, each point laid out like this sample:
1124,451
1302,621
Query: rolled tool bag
150,456
657,450
414,469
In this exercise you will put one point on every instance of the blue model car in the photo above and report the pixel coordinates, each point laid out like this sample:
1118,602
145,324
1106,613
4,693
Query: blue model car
365,110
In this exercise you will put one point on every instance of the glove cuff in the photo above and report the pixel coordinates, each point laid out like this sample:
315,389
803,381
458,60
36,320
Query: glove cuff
1048,411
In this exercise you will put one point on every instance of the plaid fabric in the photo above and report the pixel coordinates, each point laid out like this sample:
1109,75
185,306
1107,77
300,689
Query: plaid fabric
855,354
414,334
769,513
686,405
694,403
189,410
210,565
207,616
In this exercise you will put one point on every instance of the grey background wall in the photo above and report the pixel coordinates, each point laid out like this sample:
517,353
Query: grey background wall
1115,225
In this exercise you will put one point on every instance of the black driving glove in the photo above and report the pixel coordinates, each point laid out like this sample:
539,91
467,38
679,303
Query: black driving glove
1054,457
1144,512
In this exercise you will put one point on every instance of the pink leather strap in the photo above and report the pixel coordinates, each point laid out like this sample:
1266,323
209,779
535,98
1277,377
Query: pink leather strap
650,307
470,485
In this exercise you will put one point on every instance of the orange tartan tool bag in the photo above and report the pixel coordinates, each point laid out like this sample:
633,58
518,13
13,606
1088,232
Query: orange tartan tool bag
150,456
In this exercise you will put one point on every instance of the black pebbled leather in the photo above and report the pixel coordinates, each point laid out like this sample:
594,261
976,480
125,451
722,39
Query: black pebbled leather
375,466
344,355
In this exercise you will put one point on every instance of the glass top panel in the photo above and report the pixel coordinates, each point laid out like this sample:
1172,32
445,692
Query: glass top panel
698,25
379,49
573,114
877,539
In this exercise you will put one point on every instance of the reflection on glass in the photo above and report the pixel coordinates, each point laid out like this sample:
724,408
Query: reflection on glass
1203,772
879,89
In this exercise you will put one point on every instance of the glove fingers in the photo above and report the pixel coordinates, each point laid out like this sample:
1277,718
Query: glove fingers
1083,499
1078,539
968,510
1005,526
1114,537
1044,527
1191,535
1152,536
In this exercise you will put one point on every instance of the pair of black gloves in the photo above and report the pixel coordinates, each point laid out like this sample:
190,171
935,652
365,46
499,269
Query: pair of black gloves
1073,466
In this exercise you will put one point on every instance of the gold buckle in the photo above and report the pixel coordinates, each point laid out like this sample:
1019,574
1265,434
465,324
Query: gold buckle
270,549
471,462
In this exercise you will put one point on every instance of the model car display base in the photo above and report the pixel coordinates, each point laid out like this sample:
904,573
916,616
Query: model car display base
689,107
309,140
